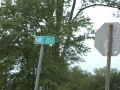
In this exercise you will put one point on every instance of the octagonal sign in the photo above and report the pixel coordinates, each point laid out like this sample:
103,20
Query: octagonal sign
102,36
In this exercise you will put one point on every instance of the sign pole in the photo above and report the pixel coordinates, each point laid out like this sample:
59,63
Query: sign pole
109,57
39,67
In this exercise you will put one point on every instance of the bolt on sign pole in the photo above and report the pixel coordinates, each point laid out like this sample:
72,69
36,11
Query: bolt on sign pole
109,57
39,67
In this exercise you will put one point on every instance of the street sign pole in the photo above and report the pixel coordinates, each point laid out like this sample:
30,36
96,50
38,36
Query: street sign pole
39,67
42,40
109,57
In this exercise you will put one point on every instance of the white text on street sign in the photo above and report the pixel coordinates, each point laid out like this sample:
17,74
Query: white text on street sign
44,40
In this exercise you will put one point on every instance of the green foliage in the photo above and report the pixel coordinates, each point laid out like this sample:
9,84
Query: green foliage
83,80
76,76
20,21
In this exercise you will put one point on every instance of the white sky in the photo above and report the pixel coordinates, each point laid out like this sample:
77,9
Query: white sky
99,16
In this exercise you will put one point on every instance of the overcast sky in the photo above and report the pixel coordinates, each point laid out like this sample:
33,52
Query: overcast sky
99,16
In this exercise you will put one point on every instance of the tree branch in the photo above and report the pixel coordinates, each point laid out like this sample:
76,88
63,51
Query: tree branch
71,20
73,7
68,38
89,7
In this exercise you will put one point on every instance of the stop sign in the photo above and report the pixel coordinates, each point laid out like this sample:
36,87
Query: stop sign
102,37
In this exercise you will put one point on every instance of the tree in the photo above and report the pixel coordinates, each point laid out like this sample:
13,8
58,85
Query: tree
97,81
76,76
21,20
114,79
17,49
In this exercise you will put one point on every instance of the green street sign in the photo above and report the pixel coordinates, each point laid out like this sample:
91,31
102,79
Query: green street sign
44,40
49,40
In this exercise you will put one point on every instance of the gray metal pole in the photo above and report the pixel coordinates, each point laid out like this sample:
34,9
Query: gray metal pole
39,67
109,58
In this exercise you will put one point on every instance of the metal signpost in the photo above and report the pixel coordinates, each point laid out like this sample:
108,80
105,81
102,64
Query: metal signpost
107,42
42,40
109,57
